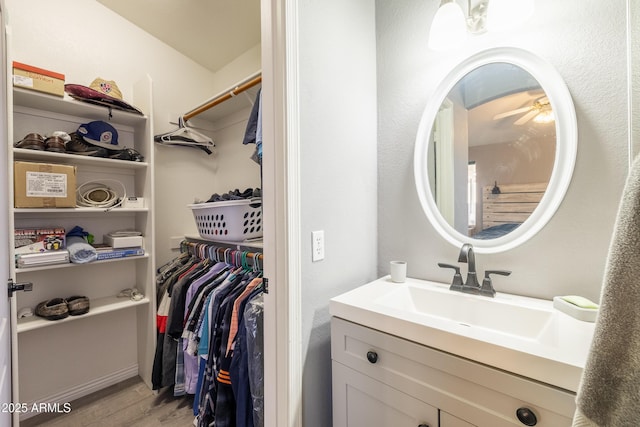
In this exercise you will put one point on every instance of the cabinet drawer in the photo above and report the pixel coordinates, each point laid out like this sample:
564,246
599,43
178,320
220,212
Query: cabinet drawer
374,404
476,393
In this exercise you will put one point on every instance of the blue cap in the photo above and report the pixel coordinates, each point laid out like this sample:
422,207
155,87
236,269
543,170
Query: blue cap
101,134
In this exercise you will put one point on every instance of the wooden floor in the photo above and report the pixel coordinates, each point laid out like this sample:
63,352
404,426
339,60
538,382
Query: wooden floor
129,404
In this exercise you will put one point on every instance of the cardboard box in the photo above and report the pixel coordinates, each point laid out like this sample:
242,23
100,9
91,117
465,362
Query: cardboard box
34,78
44,185
31,240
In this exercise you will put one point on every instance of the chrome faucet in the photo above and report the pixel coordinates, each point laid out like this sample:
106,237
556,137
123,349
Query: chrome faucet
467,255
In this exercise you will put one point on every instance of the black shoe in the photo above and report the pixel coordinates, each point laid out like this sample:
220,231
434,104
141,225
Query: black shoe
126,154
77,145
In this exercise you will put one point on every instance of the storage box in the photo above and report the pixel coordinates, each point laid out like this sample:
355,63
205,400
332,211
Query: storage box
123,241
34,78
31,240
44,185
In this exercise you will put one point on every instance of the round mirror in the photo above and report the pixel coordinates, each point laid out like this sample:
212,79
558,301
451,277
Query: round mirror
495,149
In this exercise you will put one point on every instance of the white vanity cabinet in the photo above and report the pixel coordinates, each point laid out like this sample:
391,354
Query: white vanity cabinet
383,380
61,360
360,400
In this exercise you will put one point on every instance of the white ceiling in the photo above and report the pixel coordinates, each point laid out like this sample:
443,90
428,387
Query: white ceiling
210,32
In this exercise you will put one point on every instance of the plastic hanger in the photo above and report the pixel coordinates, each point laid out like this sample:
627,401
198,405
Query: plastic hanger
186,136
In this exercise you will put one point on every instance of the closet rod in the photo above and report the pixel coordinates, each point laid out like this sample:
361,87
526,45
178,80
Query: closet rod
223,97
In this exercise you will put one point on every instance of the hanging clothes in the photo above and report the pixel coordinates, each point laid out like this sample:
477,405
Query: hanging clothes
253,131
206,343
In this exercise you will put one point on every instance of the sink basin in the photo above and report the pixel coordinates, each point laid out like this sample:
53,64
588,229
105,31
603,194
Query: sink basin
474,311
518,334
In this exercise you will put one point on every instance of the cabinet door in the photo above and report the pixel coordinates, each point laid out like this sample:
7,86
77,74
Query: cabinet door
360,401
448,420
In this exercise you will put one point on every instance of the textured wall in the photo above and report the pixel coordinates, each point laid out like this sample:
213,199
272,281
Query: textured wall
586,44
338,174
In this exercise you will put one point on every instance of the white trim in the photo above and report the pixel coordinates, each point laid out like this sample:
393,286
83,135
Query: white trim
292,193
281,215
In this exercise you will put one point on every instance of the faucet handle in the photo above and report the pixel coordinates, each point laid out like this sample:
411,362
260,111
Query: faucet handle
456,283
487,286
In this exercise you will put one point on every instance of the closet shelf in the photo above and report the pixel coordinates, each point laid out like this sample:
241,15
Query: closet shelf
74,159
72,265
79,211
98,306
66,105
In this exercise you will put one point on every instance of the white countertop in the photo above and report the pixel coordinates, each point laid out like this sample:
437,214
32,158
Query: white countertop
522,335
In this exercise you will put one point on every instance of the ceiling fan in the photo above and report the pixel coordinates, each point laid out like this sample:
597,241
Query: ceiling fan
541,107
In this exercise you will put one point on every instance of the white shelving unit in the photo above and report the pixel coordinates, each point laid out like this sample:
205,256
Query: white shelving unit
61,360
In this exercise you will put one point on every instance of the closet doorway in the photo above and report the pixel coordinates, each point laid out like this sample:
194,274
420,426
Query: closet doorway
283,348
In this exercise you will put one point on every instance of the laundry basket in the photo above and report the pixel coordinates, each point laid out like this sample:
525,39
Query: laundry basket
233,220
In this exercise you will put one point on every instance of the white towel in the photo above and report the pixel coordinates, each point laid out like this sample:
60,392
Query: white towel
609,390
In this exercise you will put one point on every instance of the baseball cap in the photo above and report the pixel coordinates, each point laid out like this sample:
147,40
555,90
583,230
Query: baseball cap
101,134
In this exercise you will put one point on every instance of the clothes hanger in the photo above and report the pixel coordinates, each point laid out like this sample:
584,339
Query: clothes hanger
187,137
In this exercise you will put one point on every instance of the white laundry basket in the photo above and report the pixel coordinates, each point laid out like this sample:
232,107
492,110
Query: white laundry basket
233,220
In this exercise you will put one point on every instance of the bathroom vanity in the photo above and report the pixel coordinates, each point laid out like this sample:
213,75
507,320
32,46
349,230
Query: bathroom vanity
416,354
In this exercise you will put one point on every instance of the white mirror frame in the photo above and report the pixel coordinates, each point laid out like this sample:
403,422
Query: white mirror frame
566,147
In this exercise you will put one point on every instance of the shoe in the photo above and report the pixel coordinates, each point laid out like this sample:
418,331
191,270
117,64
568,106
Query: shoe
78,305
77,145
33,141
53,309
127,154
55,144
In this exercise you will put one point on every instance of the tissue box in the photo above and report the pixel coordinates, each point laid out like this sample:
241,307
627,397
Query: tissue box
44,185
38,79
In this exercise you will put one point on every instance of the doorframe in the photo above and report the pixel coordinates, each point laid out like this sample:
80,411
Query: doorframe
281,214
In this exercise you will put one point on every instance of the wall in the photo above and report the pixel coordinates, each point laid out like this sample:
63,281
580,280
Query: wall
338,174
85,40
587,45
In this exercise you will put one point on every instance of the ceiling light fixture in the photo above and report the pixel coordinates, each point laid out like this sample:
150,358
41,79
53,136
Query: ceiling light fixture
450,27
545,116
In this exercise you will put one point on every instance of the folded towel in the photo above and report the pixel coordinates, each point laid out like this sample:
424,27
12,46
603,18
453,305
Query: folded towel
80,251
610,386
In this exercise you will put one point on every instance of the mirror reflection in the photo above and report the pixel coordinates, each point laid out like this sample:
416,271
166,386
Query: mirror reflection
491,151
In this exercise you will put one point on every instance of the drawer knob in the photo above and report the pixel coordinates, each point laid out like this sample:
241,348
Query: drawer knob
372,356
423,425
526,416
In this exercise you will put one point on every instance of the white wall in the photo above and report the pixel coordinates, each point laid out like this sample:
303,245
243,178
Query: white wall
83,40
338,174
586,43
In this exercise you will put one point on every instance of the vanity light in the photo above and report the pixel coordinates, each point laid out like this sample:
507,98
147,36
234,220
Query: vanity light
450,28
